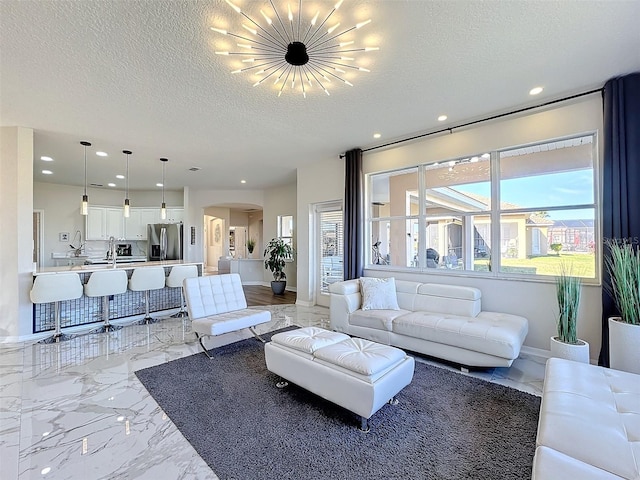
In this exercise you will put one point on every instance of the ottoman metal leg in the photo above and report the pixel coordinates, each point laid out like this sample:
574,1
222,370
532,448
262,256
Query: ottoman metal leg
364,424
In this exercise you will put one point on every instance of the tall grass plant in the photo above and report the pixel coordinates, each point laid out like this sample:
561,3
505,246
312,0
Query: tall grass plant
623,266
568,294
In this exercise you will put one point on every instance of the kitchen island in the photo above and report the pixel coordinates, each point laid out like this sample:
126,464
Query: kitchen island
124,308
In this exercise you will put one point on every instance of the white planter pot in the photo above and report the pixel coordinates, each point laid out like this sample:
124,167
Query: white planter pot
578,352
624,346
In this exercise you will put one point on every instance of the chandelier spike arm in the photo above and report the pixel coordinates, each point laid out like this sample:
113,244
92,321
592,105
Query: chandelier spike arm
289,40
270,22
273,43
299,15
264,78
319,82
316,44
322,24
329,63
275,40
284,82
355,27
334,75
269,65
311,25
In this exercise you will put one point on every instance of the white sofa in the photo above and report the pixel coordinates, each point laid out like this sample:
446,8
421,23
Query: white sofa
443,321
589,425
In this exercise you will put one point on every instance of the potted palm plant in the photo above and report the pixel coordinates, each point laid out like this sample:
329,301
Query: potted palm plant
251,244
623,266
275,255
567,344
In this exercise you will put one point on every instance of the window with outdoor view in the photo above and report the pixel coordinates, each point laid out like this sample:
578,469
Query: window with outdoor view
517,211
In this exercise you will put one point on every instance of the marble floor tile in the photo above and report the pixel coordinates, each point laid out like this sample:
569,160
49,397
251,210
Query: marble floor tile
76,410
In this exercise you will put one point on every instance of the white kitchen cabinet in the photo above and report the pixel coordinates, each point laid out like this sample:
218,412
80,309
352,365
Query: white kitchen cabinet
149,215
114,222
175,215
135,227
104,222
96,223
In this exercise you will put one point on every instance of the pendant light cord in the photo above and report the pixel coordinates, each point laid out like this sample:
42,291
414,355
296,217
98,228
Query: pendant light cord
85,170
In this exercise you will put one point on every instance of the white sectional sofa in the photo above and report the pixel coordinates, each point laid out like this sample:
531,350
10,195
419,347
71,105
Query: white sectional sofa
442,321
589,425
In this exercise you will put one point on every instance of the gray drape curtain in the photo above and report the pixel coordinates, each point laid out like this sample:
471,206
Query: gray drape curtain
353,215
621,178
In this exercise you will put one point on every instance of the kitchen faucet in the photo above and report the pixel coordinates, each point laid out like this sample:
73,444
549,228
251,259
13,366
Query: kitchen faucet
112,251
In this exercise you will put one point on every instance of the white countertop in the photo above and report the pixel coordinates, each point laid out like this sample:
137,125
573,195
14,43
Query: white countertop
120,259
119,266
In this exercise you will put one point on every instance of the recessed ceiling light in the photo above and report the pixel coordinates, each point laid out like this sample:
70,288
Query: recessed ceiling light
45,470
47,172
158,185
111,184
377,135
120,176
102,154
243,181
535,91
442,118
46,159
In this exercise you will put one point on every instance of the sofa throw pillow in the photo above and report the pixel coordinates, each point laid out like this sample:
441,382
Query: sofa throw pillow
378,293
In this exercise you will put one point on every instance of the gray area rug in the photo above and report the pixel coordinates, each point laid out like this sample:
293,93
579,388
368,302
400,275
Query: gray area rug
446,426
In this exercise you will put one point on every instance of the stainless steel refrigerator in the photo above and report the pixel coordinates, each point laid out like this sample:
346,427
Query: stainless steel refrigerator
164,241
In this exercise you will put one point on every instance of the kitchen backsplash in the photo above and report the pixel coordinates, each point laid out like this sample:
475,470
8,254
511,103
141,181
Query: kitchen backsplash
98,248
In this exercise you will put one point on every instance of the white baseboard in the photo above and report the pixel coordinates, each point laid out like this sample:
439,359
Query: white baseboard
304,304
539,352
78,329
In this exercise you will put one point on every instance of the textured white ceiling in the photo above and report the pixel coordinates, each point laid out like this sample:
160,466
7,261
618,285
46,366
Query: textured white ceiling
142,75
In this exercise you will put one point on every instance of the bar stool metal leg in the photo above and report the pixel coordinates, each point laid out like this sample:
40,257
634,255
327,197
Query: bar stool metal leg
57,336
106,326
147,318
181,313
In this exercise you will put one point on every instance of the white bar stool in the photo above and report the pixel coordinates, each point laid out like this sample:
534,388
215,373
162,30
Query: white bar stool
56,287
104,283
144,279
175,279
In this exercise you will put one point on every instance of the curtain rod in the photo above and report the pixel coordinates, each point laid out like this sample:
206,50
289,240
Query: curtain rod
487,119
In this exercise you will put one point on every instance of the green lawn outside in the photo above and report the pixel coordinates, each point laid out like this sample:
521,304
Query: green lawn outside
580,264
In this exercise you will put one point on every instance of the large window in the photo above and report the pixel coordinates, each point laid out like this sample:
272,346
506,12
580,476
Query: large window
519,211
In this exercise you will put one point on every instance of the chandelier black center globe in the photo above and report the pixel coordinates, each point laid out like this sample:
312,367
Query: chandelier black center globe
297,54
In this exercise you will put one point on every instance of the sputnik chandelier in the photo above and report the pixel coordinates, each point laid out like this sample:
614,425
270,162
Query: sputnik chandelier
295,53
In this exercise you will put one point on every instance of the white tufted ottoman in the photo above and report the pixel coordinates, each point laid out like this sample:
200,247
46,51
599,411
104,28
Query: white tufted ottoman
589,426
356,374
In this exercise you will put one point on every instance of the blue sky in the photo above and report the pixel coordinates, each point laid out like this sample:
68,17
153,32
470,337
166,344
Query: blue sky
566,188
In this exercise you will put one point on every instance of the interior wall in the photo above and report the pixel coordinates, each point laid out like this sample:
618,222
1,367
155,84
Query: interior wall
61,206
531,298
255,232
282,201
320,182
16,242
195,203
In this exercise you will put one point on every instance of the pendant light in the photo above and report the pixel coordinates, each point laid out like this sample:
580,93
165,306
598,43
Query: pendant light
163,208
126,195
84,207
